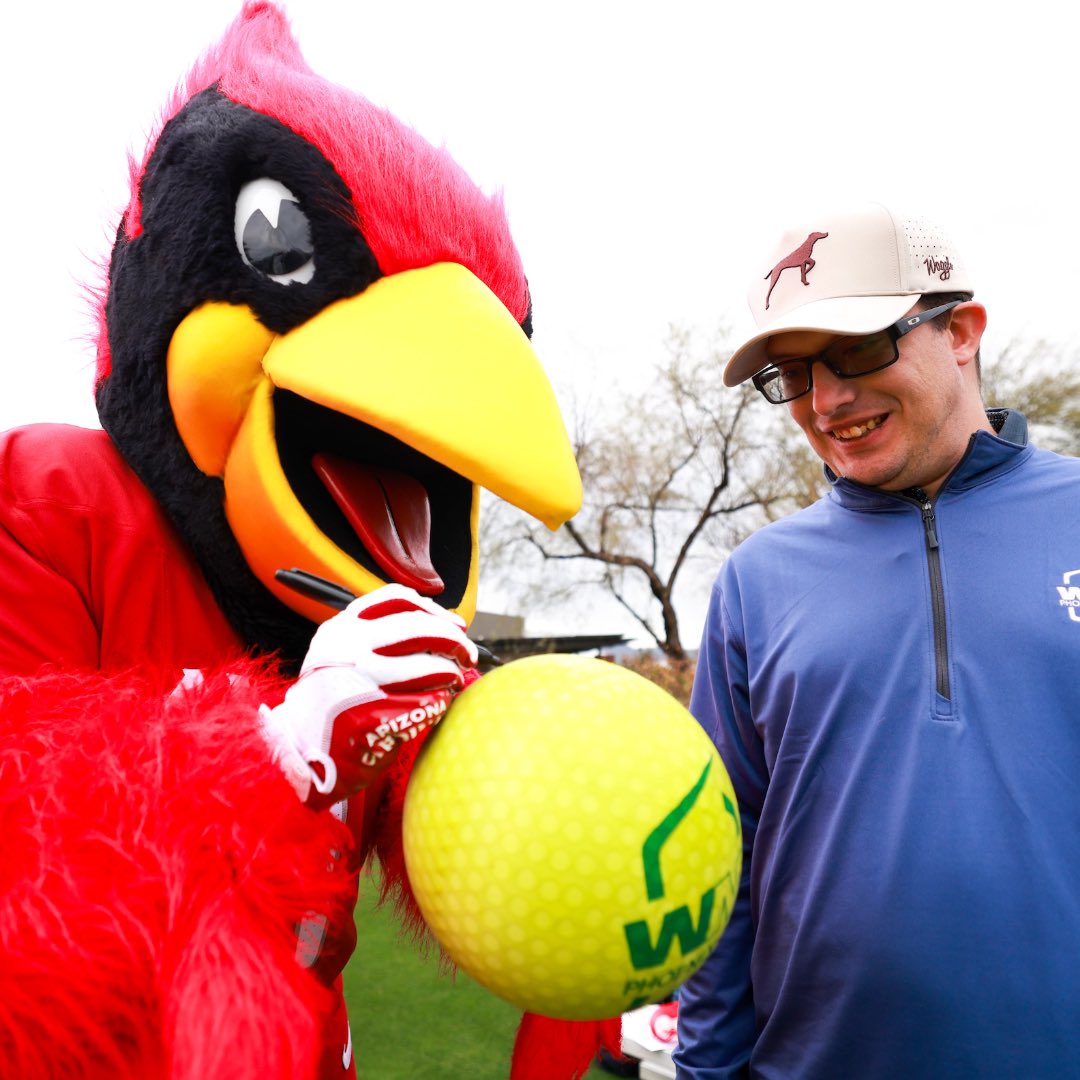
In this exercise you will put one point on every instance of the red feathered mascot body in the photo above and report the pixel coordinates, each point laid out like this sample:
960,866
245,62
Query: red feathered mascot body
313,353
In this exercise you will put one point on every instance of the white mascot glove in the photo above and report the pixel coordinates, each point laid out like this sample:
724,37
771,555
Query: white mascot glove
375,676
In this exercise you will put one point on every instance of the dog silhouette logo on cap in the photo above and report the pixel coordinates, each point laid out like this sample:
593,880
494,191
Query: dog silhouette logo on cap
799,260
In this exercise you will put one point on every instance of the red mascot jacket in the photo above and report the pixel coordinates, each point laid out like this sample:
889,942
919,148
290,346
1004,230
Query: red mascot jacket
94,579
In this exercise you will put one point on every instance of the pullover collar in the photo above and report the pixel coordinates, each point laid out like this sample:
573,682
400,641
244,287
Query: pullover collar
987,456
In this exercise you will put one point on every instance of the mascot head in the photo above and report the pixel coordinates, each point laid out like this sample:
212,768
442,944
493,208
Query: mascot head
315,343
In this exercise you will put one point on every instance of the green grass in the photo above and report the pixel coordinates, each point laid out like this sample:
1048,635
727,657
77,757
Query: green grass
412,1022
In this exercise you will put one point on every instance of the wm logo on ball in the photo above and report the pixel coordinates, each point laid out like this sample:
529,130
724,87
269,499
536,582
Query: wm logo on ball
677,925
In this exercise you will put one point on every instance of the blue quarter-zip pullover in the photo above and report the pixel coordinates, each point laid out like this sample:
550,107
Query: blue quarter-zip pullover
894,686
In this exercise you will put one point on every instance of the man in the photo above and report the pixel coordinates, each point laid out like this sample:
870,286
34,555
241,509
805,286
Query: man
891,677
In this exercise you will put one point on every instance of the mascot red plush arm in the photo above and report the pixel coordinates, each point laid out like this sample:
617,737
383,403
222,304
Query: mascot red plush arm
314,351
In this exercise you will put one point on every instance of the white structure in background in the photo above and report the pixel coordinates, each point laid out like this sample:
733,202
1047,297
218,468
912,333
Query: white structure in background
648,1035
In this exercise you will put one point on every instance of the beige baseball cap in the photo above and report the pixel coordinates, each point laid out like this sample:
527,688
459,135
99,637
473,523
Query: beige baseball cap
852,272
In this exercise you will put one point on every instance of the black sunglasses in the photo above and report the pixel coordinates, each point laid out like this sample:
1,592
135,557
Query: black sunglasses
846,358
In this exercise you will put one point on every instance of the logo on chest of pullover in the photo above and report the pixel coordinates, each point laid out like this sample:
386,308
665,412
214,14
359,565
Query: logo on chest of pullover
1070,593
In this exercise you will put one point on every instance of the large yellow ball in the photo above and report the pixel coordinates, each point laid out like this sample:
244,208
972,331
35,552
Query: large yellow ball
572,837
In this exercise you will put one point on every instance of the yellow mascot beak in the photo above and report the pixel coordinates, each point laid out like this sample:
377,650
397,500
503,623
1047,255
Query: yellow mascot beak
431,363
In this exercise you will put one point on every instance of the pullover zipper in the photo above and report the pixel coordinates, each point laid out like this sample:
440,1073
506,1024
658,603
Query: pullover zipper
933,560
937,596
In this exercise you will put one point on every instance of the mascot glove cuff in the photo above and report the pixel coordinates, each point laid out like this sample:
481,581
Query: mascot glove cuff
332,739
286,755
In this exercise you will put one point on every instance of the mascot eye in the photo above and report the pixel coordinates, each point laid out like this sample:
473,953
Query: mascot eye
273,234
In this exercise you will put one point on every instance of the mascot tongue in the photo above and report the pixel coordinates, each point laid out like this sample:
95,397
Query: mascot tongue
390,513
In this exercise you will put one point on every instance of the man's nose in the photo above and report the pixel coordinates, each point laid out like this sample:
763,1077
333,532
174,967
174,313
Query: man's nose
830,391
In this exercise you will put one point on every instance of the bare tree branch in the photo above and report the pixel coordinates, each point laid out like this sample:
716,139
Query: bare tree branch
657,472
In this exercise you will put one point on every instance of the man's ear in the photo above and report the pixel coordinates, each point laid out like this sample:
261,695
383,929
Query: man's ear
966,328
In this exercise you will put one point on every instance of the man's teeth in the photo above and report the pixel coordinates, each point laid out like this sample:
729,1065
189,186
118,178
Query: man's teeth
858,429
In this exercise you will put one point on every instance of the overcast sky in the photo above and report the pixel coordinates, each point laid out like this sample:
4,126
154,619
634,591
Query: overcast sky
648,152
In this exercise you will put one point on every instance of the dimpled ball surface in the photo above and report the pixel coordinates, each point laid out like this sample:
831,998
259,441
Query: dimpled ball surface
572,838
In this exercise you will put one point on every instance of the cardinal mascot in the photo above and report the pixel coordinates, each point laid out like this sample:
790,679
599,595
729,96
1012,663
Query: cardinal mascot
313,352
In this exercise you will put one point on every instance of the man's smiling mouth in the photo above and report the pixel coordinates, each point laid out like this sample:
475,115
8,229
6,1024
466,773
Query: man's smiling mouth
858,430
